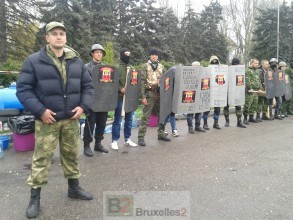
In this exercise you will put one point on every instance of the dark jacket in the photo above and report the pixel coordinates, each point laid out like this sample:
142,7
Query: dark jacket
40,85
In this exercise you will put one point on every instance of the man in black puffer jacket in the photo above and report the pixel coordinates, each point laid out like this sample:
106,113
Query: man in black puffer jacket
56,87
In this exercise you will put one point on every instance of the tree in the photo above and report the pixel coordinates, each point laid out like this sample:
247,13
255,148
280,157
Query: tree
75,19
213,41
191,30
265,34
17,18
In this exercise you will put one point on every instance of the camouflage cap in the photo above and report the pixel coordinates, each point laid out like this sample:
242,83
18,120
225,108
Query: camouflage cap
54,24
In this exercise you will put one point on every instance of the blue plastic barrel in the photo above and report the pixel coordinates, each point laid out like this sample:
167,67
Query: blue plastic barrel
8,98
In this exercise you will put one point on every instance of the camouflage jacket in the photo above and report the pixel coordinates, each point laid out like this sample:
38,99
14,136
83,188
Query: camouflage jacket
149,77
252,80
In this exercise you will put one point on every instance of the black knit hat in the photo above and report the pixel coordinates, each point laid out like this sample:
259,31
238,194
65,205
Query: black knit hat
154,52
235,61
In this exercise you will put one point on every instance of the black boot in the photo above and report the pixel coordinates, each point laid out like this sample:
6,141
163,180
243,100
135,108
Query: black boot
87,151
190,130
258,119
141,142
76,192
99,147
251,119
199,129
239,123
33,208
227,124
205,125
264,116
277,116
245,120
164,138
216,125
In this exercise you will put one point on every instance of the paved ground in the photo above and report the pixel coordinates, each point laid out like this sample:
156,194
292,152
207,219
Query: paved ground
231,174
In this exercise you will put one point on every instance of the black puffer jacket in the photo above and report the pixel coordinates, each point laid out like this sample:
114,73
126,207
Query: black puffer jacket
40,85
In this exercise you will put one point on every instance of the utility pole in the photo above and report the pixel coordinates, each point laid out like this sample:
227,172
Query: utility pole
3,33
278,31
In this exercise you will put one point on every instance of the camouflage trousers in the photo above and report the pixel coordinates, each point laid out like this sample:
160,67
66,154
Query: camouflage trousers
237,111
153,106
251,102
287,106
46,139
262,104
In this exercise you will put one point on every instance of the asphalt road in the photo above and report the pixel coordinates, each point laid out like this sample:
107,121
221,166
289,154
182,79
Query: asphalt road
233,173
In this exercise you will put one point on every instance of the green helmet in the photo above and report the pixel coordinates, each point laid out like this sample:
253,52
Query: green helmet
282,64
98,47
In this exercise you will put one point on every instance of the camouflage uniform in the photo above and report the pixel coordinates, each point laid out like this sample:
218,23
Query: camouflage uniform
47,137
262,100
252,81
150,91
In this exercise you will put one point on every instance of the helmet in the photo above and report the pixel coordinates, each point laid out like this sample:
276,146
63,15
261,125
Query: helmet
274,60
195,63
98,47
282,64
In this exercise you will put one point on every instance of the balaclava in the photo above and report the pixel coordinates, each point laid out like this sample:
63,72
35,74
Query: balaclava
123,57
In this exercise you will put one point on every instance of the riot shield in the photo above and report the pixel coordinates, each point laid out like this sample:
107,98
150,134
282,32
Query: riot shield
279,78
219,85
236,85
133,90
166,94
288,89
106,84
270,84
185,87
202,99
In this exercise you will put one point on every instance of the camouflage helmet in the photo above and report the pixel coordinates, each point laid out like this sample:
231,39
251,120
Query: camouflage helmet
282,64
98,47
274,60
195,63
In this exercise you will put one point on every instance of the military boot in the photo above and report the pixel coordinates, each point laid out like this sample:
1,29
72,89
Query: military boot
258,119
76,192
190,130
251,119
227,124
205,125
99,147
216,125
141,142
33,208
245,120
87,151
239,123
277,116
264,116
